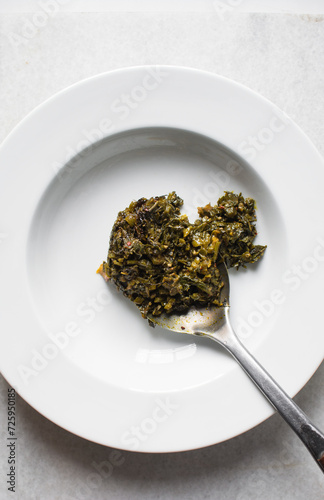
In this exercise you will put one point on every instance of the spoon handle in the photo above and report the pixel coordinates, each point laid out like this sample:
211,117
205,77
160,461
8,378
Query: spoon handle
312,437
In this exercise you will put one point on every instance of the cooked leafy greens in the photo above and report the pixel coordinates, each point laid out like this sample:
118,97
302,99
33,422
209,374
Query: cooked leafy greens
165,264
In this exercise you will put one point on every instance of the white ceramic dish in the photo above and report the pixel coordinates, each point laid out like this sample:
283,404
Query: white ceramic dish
77,350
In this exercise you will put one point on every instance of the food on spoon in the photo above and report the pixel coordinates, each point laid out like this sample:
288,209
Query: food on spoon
165,264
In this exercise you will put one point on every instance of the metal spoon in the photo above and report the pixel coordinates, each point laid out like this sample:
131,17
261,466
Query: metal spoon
214,323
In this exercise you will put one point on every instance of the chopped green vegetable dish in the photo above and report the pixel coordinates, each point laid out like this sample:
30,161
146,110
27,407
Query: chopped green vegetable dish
166,264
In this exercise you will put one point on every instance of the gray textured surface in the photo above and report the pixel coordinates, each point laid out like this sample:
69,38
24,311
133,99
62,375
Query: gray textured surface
280,56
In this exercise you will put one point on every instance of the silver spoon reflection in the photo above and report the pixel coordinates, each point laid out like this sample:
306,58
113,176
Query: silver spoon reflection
213,323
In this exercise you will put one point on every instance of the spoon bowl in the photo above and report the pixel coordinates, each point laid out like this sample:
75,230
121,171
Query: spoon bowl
198,321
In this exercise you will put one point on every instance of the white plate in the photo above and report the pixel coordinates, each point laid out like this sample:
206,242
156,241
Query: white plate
77,350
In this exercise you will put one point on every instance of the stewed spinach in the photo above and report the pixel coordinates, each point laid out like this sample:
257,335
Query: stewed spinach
165,264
